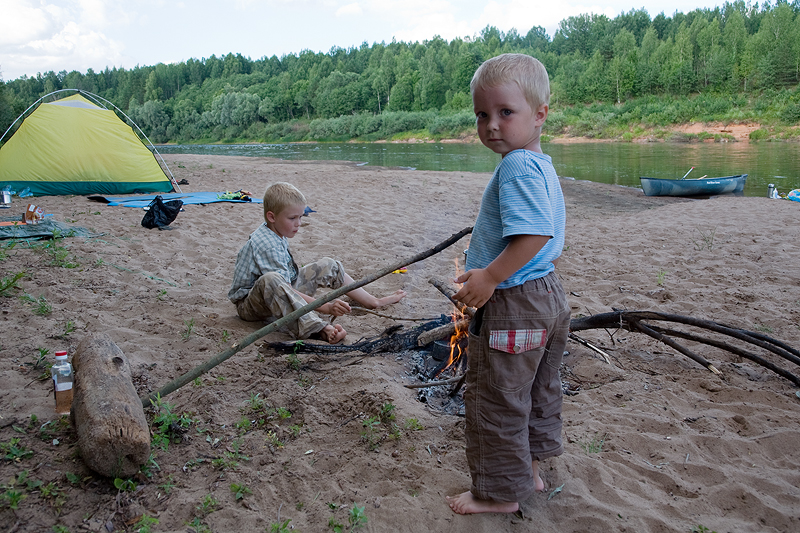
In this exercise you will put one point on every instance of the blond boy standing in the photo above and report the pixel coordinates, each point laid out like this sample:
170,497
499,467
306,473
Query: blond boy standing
518,336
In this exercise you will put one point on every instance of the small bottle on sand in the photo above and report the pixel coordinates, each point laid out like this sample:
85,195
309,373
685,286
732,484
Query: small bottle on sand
62,383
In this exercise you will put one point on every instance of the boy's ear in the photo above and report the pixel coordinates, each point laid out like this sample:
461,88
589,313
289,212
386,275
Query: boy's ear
270,217
541,114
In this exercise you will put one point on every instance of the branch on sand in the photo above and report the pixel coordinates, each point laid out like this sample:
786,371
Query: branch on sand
633,321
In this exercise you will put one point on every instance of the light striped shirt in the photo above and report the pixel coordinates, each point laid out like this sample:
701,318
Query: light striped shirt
265,251
522,198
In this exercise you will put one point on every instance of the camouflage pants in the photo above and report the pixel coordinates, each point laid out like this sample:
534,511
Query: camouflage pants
272,297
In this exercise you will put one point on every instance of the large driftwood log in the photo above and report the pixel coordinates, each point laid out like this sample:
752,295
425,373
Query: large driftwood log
113,435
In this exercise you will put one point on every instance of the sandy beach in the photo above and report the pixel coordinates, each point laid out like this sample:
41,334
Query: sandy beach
654,441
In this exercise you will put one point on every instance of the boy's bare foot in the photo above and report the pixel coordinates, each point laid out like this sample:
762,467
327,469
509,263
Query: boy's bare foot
466,503
369,301
393,298
332,333
537,479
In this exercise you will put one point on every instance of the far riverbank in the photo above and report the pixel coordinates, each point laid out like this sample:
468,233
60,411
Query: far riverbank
616,163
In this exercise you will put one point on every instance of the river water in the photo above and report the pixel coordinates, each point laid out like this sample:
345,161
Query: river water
616,163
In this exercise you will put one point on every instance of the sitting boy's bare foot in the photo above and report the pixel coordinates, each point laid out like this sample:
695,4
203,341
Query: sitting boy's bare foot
391,299
332,333
466,503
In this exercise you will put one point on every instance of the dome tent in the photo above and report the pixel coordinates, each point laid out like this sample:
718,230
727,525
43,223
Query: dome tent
74,146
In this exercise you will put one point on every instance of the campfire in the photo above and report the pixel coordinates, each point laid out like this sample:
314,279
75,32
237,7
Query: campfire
461,321
453,352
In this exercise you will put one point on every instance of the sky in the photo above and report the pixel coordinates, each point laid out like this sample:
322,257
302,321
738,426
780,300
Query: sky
37,36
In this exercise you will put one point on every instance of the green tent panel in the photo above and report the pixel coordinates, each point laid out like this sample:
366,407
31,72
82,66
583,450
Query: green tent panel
72,146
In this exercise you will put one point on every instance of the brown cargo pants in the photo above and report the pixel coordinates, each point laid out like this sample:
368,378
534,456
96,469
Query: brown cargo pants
513,388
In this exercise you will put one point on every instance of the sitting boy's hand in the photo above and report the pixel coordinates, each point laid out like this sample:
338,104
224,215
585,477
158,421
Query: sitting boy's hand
335,308
478,287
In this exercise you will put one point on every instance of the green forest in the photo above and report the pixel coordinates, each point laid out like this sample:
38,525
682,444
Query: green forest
610,78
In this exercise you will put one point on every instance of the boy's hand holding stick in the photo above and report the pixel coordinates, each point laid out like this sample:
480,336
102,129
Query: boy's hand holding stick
449,292
448,330
199,370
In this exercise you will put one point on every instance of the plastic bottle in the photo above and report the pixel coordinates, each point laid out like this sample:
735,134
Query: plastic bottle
62,383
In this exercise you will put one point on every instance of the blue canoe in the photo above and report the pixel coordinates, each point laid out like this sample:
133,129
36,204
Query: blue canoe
695,187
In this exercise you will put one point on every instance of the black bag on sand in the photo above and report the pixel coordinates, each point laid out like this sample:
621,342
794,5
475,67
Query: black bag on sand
160,213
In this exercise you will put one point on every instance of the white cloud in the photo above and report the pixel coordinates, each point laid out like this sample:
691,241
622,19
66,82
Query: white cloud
93,13
523,15
22,22
53,36
81,47
349,9
420,20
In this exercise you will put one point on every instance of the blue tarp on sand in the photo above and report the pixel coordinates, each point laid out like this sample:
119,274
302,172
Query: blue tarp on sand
188,198
45,229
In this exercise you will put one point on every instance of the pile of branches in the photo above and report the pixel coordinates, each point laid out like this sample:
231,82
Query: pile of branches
643,322
647,322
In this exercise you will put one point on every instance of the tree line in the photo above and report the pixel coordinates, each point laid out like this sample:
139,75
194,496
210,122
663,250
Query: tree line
646,69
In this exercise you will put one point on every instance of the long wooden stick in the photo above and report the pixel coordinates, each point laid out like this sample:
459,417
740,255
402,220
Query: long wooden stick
199,370
620,318
669,342
730,348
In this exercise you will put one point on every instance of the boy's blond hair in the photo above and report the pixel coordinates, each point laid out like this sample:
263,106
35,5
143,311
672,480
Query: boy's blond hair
526,71
281,195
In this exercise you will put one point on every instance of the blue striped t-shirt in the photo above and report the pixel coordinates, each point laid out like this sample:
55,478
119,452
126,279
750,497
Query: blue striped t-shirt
522,198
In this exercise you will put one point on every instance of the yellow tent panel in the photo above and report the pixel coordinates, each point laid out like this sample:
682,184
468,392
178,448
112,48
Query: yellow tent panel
72,146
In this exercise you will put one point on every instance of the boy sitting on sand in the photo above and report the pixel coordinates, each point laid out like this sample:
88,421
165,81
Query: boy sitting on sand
267,284
518,335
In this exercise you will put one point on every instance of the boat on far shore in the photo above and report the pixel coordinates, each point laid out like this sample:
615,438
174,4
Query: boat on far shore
694,187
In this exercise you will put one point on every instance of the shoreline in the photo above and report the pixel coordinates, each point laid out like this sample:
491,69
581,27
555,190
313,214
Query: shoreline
715,131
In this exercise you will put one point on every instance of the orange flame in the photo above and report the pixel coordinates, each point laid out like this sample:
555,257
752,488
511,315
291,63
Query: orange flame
455,339
460,332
